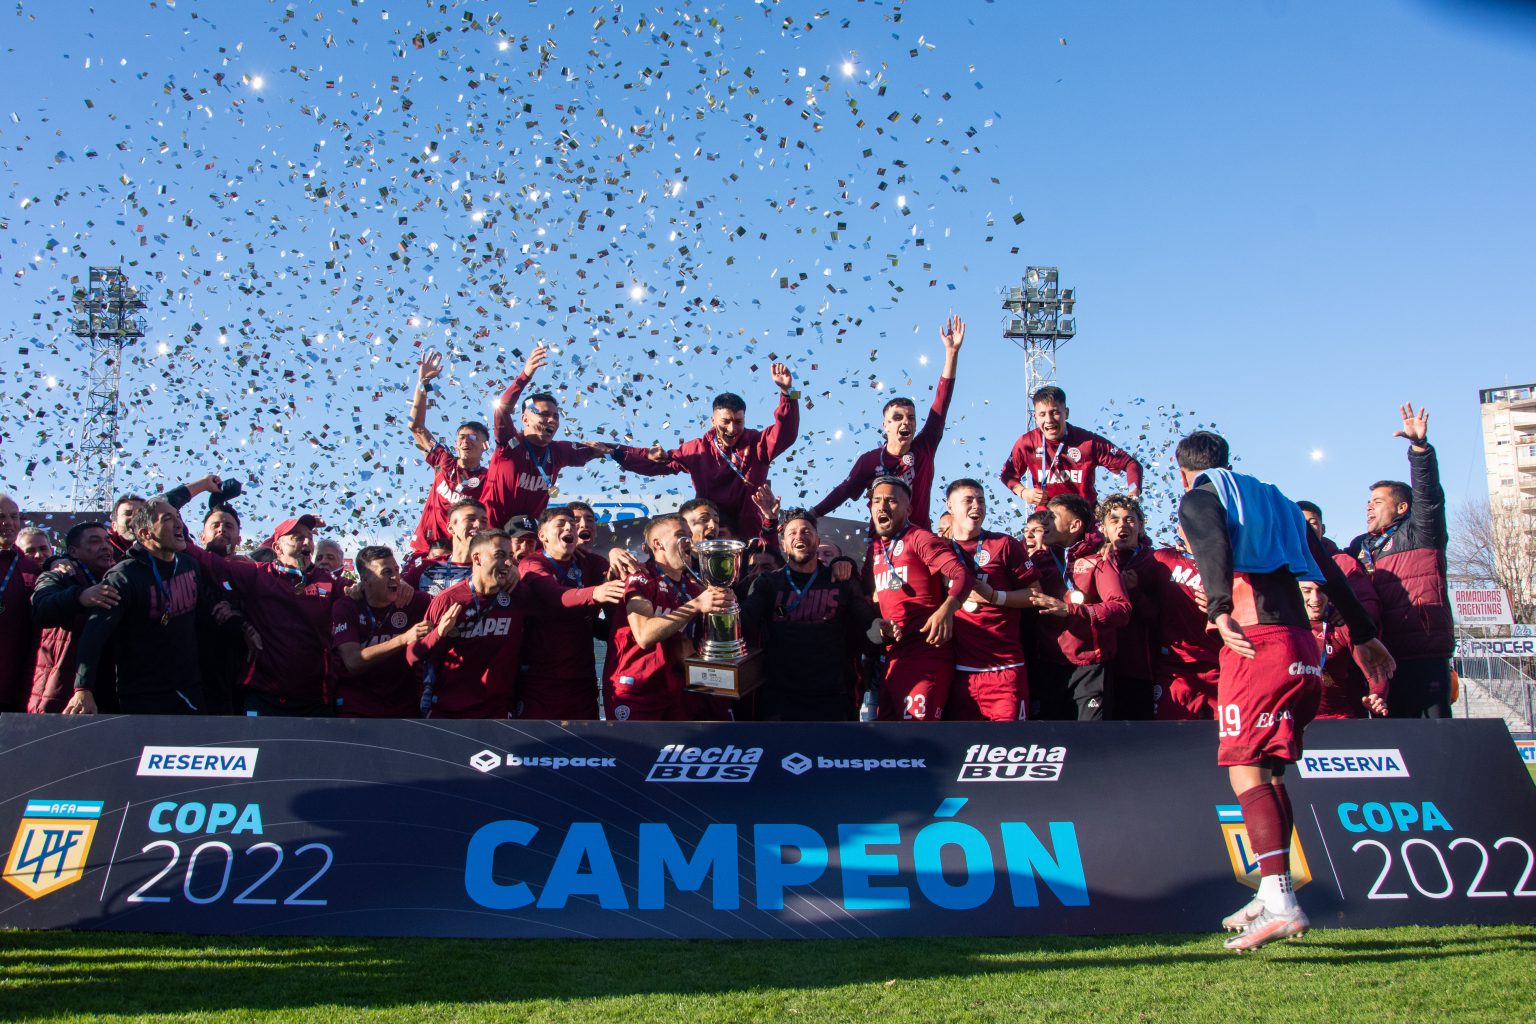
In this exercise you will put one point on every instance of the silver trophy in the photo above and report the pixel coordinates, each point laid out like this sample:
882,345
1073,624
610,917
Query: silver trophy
720,566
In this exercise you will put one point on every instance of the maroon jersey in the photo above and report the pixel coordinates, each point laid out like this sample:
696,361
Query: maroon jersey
1134,650
1067,467
1086,635
915,467
912,575
522,472
986,636
292,612
656,671
1344,685
1180,635
474,670
726,477
561,614
451,484
388,690
18,635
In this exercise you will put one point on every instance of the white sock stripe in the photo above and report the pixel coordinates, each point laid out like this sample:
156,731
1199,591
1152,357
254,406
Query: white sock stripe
1269,853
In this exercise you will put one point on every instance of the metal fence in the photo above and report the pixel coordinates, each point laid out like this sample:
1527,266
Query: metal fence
1506,681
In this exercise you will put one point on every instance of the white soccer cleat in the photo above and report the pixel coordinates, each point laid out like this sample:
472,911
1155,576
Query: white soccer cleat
1240,919
1268,927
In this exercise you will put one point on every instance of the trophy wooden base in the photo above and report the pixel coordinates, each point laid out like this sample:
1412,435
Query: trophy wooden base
733,678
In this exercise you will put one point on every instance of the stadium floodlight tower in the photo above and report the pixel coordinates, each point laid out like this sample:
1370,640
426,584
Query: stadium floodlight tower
1040,320
106,320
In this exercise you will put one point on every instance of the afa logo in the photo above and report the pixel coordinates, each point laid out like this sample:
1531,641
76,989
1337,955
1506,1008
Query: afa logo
1244,865
51,845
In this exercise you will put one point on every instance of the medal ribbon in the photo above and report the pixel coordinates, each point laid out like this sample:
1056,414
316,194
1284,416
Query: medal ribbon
15,561
897,582
730,460
163,589
794,602
1045,446
573,573
540,465
1368,549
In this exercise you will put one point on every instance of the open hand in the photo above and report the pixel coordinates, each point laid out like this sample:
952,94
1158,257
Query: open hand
431,367
782,377
1415,425
953,333
536,359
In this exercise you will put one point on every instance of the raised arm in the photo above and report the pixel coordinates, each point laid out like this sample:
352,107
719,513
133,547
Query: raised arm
427,371
507,406
1428,511
785,428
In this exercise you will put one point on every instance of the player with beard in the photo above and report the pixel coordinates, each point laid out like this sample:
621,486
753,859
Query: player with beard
644,677
991,681
526,463
1078,623
61,602
811,629
457,476
225,657
559,673
1345,692
221,531
908,453
151,627
1124,529
1359,579
1062,459
1186,666
121,533
369,635
288,601
919,584
465,519
1253,547
730,462
18,635
469,656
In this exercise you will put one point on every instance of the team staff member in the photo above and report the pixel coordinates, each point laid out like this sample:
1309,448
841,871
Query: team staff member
465,519
1079,621
919,584
527,462
18,636
811,629
35,544
121,534
151,627
1250,564
468,658
456,476
908,453
644,676
730,462
559,671
1404,551
226,658
369,635
991,682
61,602
1062,459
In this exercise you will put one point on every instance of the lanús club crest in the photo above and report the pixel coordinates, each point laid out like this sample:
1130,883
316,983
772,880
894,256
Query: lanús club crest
398,619
1075,454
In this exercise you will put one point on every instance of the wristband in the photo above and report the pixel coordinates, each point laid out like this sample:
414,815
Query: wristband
424,387
999,597
793,394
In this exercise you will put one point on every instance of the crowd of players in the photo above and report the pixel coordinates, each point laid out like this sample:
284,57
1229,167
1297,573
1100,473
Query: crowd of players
504,598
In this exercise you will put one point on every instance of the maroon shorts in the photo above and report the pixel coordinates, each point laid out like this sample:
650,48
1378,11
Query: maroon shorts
916,684
1264,702
648,701
1000,695
558,700
1185,694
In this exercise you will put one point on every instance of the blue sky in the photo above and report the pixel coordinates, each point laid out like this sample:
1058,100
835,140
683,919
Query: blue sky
1282,218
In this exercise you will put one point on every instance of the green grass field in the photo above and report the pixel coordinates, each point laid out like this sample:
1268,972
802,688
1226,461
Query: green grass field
1405,974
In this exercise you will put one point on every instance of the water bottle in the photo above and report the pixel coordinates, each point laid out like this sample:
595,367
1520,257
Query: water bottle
868,706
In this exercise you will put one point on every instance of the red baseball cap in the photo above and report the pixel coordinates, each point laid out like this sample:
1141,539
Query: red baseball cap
287,526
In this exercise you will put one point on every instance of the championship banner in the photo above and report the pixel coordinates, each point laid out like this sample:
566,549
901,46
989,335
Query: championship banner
1476,647
524,829
1480,607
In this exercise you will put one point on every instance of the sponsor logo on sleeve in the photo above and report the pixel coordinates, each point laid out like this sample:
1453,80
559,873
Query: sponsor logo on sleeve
199,762
51,845
1383,763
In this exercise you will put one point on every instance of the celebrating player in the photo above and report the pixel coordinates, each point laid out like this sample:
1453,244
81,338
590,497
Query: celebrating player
908,453
61,602
465,519
369,636
1345,691
907,569
559,673
991,682
528,461
1123,526
1184,670
468,658
1062,459
456,476
730,462
1268,687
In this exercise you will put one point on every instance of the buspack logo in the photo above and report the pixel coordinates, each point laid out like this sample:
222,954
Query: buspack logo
51,845
199,762
1245,865
795,764
677,762
1380,763
985,762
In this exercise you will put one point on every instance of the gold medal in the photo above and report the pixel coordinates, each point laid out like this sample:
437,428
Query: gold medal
1076,597
165,619
554,492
